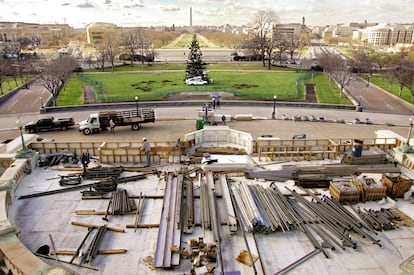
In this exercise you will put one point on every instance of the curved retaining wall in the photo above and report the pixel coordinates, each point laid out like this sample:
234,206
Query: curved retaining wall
15,256
184,103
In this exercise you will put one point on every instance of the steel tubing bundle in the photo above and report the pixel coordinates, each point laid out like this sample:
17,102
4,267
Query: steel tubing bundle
264,223
140,210
242,213
120,203
188,211
169,233
204,205
93,247
283,209
335,225
231,216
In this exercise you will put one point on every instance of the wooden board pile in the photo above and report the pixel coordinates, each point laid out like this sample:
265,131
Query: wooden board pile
371,156
202,255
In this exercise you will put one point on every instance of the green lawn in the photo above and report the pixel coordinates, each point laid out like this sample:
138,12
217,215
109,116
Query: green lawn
249,81
9,84
384,83
72,93
327,91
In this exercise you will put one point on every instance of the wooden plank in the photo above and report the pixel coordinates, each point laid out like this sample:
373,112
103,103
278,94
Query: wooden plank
102,252
114,229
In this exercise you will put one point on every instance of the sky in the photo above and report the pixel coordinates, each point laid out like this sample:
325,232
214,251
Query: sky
80,13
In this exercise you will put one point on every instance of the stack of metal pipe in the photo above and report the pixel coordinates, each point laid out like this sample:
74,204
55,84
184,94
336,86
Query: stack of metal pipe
263,209
120,203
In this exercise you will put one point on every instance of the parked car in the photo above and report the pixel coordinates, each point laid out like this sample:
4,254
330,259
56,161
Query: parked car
48,124
196,81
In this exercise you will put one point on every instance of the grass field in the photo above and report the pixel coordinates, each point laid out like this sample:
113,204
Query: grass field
9,84
249,82
384,83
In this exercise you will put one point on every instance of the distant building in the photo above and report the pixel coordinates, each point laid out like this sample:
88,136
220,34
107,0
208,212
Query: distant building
11,31
96,31
343,30
385,34
292,31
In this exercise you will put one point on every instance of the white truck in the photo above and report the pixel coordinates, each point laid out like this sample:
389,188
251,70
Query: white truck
100,121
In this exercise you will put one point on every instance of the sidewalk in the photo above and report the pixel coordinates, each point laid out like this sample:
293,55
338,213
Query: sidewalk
26,100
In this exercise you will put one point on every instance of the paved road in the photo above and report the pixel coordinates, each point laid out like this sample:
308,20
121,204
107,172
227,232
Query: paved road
374,99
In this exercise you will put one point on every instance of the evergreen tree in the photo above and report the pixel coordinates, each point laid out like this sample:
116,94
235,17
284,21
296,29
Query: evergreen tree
195,63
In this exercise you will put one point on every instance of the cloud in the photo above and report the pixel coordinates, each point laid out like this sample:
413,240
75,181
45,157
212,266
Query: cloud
169,8
85,5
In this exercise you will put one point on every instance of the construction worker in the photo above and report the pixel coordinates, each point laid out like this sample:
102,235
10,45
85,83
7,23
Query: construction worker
112,126
146,147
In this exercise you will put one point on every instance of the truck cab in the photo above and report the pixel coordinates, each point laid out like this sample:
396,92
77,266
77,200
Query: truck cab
90,125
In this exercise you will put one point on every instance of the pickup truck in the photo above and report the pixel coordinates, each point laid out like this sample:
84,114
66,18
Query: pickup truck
48,124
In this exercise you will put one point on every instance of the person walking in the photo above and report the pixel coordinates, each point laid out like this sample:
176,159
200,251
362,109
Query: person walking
85,159
112,126
146,147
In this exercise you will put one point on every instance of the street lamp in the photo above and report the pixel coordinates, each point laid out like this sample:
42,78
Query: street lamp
274,107
411,119
136,103
24,152
406,148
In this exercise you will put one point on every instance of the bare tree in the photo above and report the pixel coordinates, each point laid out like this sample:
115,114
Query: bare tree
336,67
4,72
55,72
101,57
25,69
363,62
137,44
111,48
143,46
130,42
405,76
263,26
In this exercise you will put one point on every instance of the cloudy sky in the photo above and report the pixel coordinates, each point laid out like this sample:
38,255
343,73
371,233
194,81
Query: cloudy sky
79,13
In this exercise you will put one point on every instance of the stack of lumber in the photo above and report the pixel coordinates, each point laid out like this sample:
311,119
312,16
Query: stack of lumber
320,176
372,156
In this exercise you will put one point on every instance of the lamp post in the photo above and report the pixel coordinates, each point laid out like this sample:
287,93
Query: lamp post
20,125
406,148
136,103
24,152
274,107
411,119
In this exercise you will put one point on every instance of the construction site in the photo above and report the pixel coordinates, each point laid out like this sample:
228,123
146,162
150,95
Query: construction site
216,201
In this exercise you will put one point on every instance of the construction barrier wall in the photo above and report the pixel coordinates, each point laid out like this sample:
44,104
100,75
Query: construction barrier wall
220,136
314,149
114,152
130,152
